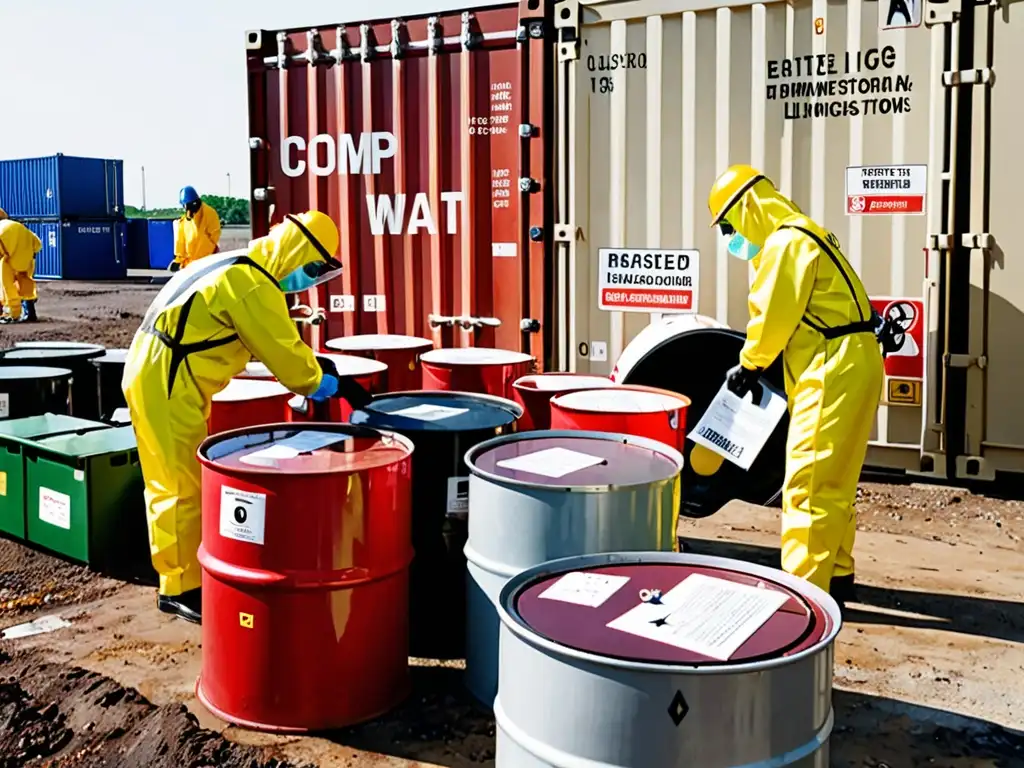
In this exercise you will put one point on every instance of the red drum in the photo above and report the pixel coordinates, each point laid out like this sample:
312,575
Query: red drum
474,369
641,411
400,354
534,393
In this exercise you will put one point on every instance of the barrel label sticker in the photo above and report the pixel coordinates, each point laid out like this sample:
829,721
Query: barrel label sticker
55,508
551,462
705,615
245,620
458,497
589,589
430,412
5,405
3,483
242,515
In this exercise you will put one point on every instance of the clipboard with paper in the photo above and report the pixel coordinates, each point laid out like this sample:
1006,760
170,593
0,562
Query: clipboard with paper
738,428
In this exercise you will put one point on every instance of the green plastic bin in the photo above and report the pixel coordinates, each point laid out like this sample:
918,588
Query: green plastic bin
15,436
84,499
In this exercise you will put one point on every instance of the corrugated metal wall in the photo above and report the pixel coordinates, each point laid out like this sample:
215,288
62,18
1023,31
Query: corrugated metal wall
663,99
407,133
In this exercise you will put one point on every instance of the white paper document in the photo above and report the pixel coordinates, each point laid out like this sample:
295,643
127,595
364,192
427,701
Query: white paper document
552,462
268,457
290,447
589,589
709,616
429,412
737,428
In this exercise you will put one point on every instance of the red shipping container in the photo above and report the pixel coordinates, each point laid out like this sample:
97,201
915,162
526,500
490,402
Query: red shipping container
305,556
427,140
631,410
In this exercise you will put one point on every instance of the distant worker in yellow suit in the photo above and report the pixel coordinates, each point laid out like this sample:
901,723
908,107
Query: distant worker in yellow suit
808,304
18,248
198,230
202,329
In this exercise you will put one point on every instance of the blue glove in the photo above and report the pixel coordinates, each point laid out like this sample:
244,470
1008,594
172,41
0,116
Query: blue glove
328,388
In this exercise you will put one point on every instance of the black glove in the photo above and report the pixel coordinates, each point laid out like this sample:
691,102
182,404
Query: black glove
173,266
348,388
741,380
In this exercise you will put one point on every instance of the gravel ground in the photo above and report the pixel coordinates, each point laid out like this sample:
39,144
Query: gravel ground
924,668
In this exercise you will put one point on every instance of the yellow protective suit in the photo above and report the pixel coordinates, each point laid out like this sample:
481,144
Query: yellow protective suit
201,330
198,236
808,304
18,248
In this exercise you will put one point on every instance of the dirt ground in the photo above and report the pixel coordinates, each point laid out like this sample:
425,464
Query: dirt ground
929,666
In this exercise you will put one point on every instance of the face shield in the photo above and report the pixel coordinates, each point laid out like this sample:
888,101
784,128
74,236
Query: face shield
738,246
315,273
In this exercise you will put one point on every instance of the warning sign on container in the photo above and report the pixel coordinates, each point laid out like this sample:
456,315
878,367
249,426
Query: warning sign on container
903,392
905,354
642,280
899,14
886,189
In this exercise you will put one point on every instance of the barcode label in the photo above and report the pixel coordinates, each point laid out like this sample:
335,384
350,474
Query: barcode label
721,441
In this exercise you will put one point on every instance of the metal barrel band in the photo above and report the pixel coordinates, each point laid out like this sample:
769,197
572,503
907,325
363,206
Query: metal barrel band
298,580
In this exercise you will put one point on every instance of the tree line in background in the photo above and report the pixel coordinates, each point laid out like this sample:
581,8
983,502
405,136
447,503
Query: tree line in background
232,210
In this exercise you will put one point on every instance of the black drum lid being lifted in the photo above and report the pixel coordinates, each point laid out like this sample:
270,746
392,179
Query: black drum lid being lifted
694,363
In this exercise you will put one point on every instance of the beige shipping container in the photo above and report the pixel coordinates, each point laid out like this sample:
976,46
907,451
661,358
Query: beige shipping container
656,97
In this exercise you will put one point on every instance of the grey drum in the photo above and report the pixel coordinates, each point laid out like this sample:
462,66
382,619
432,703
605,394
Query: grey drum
538,496
664,660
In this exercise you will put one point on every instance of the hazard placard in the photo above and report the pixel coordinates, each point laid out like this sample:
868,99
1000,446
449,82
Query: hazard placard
886,189
899,14
903,392
907,360
648,280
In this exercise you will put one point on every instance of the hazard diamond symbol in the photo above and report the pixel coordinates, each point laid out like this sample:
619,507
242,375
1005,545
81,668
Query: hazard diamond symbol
678,708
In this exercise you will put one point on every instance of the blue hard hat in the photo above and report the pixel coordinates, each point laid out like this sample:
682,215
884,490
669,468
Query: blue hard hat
187,195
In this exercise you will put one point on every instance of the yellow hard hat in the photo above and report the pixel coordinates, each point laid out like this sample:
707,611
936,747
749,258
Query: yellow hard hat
3,214
729,187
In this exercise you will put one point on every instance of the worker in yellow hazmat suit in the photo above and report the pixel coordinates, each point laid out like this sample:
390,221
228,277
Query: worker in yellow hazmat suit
198,233
18,248
808,304
202,329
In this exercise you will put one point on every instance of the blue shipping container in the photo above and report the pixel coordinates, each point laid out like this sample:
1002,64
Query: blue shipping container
150,243
81,250
62,187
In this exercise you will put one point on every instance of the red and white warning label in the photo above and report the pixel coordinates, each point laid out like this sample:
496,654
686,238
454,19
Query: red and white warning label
647,280
886,189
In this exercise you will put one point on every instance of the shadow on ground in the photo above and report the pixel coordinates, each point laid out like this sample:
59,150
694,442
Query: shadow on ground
996,619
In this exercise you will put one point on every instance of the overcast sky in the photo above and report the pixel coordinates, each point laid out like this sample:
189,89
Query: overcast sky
160,85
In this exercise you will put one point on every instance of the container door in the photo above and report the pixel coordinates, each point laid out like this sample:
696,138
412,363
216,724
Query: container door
408,134
841,104
980,410
48,261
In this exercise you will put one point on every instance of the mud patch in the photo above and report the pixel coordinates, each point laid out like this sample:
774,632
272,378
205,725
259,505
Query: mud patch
30,580
52,715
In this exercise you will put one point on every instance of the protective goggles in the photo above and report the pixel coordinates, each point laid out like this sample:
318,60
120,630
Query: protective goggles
316,272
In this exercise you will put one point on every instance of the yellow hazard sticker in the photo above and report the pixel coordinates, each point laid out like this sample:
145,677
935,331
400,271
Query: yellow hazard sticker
3,483
904,392
245,620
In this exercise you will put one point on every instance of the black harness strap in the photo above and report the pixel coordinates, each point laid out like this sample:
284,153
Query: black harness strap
864,325
179,350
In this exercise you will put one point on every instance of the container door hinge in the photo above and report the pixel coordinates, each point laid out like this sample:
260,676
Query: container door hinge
463,321
526,184
964,361
257,142
343,49
565,233
941,12
986,76
531,30
982,241
529,325
367,42
470,38
435,37
567,25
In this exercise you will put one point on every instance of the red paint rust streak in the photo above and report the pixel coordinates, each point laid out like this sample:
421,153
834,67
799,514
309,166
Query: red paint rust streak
378,320
348,208
405,304
438,272
467,227
536,81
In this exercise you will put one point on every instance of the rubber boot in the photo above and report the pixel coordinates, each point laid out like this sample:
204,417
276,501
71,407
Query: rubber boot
843,589
28,311
187,605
